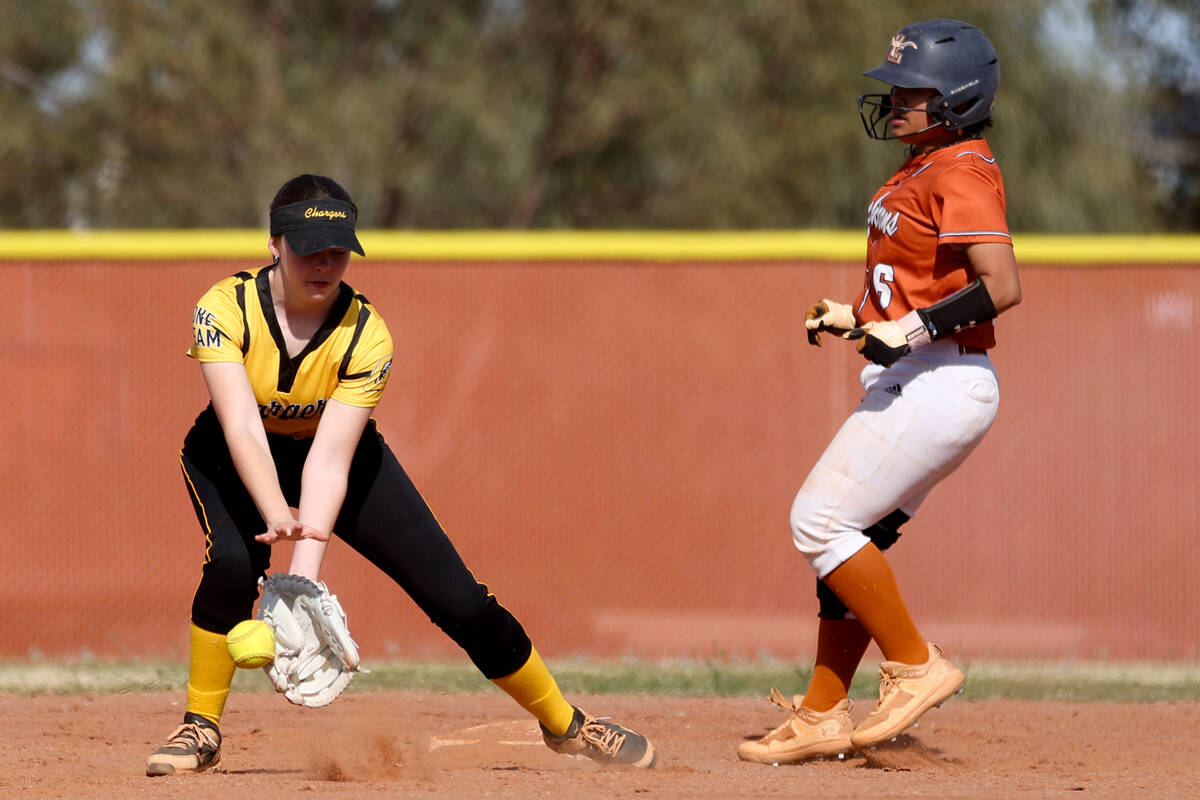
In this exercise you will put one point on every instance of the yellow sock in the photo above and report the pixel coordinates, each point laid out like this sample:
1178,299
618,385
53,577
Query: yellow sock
210,671
534,689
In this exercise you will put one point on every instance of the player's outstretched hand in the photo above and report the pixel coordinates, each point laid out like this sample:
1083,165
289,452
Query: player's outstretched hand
290,530
884,343
828,316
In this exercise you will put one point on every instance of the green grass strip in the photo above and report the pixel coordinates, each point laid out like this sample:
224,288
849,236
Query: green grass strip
1072,682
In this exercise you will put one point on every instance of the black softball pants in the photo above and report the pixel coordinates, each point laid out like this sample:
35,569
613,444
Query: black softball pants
383,517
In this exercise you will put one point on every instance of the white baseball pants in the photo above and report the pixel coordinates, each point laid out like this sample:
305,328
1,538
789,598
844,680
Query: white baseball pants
918,420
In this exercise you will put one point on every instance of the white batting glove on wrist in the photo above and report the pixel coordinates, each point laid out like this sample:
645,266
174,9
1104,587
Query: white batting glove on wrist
828,316
887,342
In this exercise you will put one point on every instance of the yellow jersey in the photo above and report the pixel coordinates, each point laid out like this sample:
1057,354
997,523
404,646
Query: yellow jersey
348,359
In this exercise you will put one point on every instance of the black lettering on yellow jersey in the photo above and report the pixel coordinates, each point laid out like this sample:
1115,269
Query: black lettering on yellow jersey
348,359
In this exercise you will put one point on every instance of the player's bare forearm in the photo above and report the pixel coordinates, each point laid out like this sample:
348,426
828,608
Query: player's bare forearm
322,491
307,557
257,472
996,265
235,406
325,478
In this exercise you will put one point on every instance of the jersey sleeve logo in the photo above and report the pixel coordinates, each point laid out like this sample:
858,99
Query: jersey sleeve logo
205,330
379,377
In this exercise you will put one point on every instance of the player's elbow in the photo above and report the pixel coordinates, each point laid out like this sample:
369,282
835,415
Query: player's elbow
1012,297
1003,290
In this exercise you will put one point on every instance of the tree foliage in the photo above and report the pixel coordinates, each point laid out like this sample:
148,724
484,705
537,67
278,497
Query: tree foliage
1155,41
547,114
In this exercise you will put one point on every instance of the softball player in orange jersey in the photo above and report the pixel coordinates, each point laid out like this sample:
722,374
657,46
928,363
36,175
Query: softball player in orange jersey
939,268
295,362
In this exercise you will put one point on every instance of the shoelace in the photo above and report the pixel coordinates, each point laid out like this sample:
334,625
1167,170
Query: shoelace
605,738
190,735
778,699
793,707
888,686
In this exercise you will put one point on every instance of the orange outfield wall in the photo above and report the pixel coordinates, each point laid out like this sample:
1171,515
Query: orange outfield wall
614,447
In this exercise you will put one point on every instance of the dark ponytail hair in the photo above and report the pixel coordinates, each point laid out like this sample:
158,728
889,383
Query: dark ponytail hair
311,187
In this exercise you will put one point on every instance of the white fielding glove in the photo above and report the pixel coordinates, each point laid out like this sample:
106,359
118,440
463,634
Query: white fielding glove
315,656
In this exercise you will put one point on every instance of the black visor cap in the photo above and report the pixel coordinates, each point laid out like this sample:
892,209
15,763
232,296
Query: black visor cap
311,226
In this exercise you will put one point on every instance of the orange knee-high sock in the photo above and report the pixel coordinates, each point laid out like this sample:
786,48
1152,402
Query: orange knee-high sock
841,644
210,671
866,585
535,690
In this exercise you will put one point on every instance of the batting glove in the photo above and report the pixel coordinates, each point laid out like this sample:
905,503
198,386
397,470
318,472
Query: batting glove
828,316
885,343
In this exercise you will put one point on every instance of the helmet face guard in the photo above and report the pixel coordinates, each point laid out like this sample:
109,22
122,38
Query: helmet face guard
953,58
876,109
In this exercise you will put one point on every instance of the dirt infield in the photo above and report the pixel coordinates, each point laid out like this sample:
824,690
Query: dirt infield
422,744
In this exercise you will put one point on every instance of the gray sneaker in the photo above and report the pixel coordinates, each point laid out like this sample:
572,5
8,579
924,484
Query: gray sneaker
193,747
603,741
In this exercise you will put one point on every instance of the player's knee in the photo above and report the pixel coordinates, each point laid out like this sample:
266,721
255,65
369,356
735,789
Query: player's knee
219,605
883,534
228,584
807,525
489,634
818,537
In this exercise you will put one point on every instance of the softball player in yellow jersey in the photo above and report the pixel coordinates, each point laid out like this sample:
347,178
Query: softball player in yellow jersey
295,361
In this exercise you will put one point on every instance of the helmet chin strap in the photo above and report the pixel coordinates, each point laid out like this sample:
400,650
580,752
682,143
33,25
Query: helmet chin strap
937,122
916,133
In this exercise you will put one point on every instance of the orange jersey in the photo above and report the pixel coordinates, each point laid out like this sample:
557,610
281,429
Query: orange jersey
952,196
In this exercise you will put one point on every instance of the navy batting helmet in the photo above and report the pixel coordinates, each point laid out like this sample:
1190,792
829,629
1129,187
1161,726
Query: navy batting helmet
953,58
